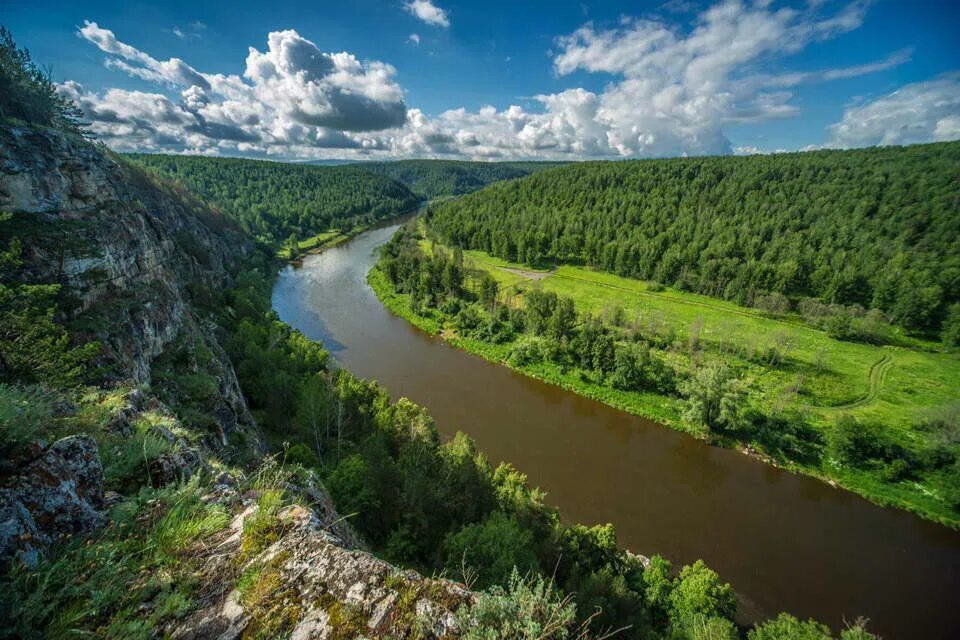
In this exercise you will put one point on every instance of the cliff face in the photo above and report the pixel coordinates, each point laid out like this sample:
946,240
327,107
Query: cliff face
130,252
135,259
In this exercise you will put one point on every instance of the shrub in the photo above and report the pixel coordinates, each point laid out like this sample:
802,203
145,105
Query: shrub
699,592
24,413
528,609
857,443
786,627
529,350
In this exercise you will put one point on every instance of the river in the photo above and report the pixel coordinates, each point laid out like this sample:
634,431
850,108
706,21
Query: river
785,542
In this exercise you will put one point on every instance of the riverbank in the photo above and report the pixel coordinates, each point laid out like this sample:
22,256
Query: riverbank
871,482
785,540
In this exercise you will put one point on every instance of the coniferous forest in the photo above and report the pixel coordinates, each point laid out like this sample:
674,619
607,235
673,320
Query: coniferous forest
273,201
878,228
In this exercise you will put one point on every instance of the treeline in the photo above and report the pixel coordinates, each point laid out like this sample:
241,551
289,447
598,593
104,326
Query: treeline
444,507
274,201
27,94
436,178
867,229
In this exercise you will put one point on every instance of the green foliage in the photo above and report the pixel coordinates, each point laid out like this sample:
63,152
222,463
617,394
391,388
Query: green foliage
786,627
27,92
274,201
435,178
526,609
34,346
25,414
125,581
491,550
950,331
715,398
698,591
872,227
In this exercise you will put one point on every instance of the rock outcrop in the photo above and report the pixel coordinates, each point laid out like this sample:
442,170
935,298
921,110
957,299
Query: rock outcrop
318,588
57,495
134,253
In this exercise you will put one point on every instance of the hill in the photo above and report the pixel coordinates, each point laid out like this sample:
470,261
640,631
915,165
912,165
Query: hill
274,200
873,228
436,178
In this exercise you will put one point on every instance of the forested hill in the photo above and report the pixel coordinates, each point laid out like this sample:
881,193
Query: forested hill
435,178
275,200
878,228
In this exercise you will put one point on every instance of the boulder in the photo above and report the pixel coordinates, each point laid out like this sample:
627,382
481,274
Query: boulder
59,494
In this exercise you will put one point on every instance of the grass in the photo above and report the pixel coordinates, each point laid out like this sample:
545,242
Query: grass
815,375
321,241
124,582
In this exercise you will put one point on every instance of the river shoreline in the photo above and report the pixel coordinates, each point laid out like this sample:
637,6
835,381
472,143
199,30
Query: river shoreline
786,541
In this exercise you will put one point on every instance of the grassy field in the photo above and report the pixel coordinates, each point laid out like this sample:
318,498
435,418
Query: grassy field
819,376
321,241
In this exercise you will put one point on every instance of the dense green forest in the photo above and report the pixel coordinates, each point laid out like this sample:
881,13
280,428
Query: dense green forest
436,178
274,201
868,229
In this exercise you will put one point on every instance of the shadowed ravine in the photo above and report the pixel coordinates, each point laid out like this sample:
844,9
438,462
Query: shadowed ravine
785,542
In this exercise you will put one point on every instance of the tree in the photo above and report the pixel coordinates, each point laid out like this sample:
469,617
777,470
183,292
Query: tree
27,93
786,627
697,591
563,319
950,333
715,398
488,291
491,549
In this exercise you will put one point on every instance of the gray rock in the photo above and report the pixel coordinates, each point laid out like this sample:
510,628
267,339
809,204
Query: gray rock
59,494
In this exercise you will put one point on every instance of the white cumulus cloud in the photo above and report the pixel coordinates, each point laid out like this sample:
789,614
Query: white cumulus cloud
669,91
428,12
919,112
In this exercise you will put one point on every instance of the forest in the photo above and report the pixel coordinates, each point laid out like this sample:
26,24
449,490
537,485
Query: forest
431,179
274,201
866,229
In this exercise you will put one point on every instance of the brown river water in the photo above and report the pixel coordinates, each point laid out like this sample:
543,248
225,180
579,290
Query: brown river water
785,542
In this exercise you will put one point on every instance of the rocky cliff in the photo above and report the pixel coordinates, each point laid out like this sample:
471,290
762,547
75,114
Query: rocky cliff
135,260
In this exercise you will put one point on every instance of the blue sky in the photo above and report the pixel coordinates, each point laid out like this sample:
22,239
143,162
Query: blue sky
585,79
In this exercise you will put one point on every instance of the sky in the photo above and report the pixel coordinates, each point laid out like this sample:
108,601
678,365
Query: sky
494,80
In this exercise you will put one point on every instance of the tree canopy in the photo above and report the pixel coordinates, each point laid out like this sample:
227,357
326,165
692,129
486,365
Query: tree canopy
273,200
878,228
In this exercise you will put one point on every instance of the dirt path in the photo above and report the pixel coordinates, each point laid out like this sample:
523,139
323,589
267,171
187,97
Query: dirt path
529,275
877,374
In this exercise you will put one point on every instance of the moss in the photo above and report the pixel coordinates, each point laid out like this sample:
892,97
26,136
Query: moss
346,621
274,610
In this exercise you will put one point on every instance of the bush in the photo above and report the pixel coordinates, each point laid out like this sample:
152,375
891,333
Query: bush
857,443
699,592
525,610
24,414
786,627
529,350
950,330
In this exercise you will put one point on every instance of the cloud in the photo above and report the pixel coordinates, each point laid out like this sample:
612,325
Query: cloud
919,112
428,12
292,98
414,39
668,91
